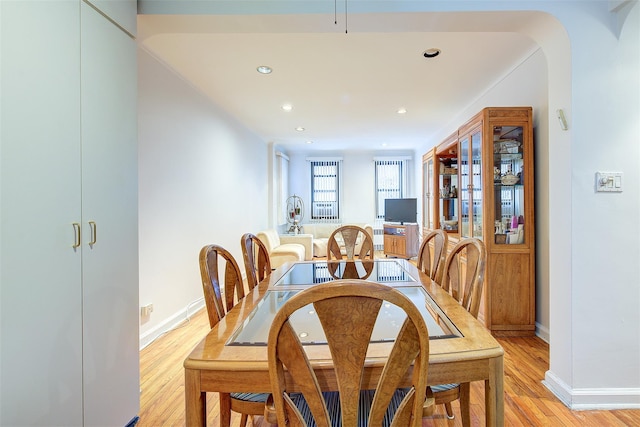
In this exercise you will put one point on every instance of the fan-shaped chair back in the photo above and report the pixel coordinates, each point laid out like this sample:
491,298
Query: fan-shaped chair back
431,256
210,256
347,310
345,239
463,274
256,259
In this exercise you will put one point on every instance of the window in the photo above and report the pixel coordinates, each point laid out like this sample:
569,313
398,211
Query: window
391,179
325,190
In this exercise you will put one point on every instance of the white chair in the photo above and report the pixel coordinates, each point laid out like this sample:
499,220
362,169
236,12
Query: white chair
285,248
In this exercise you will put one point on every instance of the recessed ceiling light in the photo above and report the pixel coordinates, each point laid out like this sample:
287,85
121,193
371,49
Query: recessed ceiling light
402,111
431,52
309,142
300,129
384,144
287,107
263,69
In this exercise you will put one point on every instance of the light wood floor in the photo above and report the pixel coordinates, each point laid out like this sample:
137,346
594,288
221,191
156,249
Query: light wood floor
527,401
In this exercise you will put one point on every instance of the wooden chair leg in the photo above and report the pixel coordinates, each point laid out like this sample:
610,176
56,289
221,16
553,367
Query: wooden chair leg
225,410
429,404
449,409
465,412
243,420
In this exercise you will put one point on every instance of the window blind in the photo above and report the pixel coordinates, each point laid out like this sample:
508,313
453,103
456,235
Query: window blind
391,178
325,190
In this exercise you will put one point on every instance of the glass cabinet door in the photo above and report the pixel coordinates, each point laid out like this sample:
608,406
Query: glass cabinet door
476,184
427,185
465,197
509,185
471,184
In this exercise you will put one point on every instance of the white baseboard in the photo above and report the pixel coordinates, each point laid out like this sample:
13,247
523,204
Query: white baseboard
171,323
542,332
592,398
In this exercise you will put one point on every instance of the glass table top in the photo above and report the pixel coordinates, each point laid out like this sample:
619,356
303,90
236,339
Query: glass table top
312,273
255,329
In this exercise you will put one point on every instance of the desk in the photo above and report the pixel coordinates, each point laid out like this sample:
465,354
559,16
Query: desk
217,367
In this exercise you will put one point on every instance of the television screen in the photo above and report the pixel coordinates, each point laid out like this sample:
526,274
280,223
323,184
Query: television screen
401,210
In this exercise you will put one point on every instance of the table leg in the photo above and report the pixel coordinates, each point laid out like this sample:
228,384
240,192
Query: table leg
225,410
465,413
195,399
494,393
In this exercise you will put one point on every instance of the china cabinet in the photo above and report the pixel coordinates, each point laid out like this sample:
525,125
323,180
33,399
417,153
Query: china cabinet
490,162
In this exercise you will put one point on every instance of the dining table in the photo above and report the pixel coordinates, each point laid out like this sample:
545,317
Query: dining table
232,357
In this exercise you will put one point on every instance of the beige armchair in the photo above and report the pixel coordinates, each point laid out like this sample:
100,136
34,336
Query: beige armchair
286,248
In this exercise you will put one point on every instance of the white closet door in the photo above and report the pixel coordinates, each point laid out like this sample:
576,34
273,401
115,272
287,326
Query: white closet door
41,337
110,200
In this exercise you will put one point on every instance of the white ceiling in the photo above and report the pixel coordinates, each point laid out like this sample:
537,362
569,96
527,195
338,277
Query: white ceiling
345,87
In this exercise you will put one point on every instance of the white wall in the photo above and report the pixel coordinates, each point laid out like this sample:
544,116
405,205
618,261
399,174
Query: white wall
605,285
358,180
202,180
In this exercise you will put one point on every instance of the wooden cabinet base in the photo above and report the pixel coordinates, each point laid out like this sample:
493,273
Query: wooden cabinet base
511,332
401,241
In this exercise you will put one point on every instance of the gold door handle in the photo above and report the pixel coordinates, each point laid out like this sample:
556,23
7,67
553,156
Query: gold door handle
76,231
94,230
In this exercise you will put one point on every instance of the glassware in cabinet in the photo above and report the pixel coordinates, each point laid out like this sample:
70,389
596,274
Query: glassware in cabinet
448,194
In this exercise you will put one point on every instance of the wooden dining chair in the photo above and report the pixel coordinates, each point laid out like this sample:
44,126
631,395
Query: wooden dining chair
347,238
463,274
256,259
432,254
211,256
463,278
347,311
